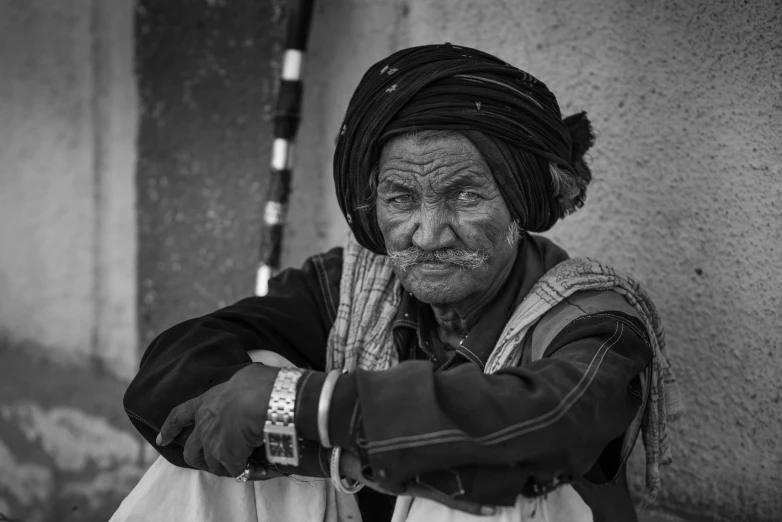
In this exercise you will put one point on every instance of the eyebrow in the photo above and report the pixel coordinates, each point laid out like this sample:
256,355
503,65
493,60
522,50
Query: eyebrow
468,178
393,184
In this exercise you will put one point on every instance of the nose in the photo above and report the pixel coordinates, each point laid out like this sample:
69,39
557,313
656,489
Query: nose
433,230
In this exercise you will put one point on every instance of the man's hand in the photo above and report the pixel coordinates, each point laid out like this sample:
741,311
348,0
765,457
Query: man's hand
227,423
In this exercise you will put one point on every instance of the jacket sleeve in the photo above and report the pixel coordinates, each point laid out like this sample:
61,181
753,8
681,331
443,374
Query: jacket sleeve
293,320
490,437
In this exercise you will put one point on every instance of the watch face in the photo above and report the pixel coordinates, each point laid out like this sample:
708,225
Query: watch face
280,446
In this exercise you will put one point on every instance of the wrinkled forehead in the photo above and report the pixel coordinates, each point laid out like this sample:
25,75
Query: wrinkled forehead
429,145
432,154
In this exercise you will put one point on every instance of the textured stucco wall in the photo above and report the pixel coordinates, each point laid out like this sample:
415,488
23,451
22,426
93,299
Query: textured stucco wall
68,334
686,98
207,73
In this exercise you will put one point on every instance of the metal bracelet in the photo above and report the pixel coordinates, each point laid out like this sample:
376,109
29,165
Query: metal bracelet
343,485
324,405
281,408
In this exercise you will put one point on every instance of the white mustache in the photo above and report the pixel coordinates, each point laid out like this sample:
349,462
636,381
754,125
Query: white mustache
469,259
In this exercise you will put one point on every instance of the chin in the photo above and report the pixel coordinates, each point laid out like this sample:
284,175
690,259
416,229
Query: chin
437,292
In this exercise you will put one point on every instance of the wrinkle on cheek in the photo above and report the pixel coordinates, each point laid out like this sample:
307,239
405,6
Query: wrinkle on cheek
398,227
392,225
483,225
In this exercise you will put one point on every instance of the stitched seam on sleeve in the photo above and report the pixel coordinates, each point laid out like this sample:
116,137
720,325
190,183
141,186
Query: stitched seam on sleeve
138,418
584,388
324,287
515,430
637,331
608,315
602,313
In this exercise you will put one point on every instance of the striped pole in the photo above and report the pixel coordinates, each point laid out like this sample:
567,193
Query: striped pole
286,123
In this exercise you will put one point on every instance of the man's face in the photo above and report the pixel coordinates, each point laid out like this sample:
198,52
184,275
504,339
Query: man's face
438,202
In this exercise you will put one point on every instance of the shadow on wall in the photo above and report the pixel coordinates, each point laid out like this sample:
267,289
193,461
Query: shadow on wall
59,461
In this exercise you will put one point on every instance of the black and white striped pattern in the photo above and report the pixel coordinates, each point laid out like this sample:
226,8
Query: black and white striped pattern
286,123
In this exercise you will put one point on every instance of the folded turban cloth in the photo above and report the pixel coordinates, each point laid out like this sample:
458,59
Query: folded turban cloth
536,157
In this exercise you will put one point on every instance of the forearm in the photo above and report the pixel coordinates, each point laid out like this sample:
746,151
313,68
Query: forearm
196,355
550,418
179,365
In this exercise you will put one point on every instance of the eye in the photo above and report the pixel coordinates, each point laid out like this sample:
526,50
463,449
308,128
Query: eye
465,196
401,199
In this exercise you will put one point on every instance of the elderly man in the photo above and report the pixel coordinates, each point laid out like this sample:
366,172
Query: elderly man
445,352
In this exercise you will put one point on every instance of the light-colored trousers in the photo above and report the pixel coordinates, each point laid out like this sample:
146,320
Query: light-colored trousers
167,493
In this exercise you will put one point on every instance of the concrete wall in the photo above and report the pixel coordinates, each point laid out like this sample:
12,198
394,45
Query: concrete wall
685,97
67,223
68,334
207,75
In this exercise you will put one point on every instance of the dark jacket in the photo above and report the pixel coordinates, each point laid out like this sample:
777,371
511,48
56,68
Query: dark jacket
436,418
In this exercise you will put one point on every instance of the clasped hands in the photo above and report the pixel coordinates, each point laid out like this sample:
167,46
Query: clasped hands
227,426
227,423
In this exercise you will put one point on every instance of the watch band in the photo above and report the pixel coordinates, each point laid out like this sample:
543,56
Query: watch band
279,432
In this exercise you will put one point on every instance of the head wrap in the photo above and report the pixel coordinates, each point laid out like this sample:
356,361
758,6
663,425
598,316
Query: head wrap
511,117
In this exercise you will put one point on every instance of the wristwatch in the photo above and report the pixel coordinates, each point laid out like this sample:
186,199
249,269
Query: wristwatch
279,432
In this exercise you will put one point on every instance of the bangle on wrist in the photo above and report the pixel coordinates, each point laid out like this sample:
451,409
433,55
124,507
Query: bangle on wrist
343,485
324,405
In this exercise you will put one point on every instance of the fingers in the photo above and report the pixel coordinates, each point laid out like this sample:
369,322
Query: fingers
215,467
181,439
237,466
180,417
194,453
200,457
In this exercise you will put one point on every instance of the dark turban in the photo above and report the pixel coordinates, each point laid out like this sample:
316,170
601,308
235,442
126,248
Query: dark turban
536,157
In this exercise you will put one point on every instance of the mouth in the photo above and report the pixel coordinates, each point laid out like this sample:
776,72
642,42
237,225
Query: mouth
435,266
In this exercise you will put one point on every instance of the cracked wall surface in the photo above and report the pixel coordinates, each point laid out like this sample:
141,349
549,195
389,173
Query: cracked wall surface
67,450
686,99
